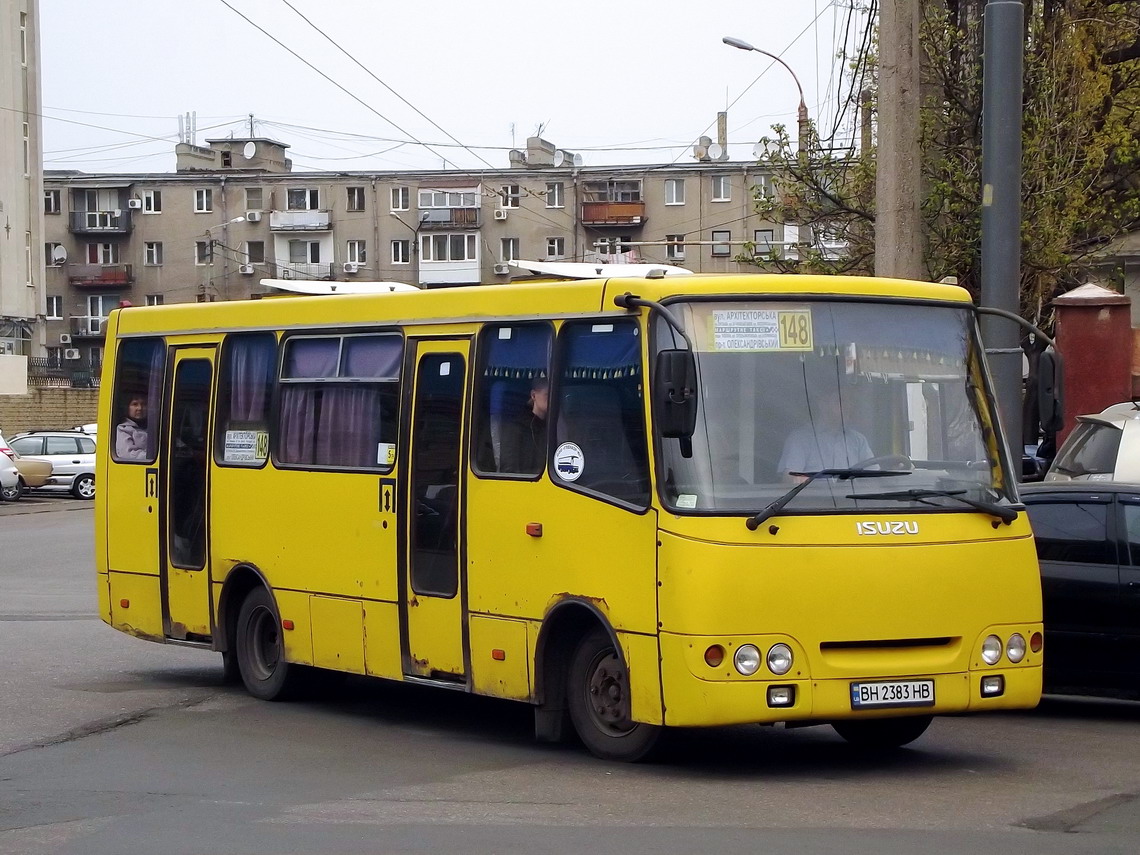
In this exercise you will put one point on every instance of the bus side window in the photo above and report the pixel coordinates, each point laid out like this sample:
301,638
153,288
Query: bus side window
510,436
249,361
137,403
599,417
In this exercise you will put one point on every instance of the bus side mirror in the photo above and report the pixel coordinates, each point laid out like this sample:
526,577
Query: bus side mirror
675,393
1050,391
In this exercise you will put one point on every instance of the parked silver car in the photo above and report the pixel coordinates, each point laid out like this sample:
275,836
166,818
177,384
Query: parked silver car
9,477
1102,447
71,453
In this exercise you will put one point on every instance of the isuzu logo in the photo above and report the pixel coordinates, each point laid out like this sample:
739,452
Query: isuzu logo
876,528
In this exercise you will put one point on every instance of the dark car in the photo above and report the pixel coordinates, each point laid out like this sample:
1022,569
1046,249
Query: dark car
1088,545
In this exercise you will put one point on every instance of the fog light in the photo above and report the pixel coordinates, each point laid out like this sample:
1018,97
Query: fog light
991,650
993,686
1015,647
747,659
1036,642
781,696
714,656
780,659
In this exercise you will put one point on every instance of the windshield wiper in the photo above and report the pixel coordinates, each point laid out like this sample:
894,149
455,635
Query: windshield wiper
779,504
1005,514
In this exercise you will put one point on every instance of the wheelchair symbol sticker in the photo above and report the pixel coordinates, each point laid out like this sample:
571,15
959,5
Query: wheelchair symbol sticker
568,462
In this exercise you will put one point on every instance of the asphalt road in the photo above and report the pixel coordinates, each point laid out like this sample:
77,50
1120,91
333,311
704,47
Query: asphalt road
113,745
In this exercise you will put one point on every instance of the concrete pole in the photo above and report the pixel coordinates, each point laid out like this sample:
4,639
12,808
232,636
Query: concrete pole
1003,49
898,176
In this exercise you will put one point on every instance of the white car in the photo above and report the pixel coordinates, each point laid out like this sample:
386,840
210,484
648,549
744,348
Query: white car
72,455
1102,447
9,477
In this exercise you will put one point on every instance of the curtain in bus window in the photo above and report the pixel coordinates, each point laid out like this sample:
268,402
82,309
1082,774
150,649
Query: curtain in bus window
154,396
298,425
251,377
372,356
348,433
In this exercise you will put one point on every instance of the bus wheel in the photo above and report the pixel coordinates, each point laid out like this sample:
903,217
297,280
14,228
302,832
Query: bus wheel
883,732
260,651
599,700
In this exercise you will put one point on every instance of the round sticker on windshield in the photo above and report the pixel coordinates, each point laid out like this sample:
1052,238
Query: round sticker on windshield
568,461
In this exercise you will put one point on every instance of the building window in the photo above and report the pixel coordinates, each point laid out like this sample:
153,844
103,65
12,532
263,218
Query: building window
508,249
152,253
554,196
202,252
674,191
355,198
458,247
24,39
253,198
722,243
721,189
203,201
27,149
303,199
304,252
510,195
675,248
447,198
99,306
614,190
54,254
401,251
154,299
763,240
102,253
763,187
152,201
52,202
54,308
401,199
555,248
55,356
255,251
355,251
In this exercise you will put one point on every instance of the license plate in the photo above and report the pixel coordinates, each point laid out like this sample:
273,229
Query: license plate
892,693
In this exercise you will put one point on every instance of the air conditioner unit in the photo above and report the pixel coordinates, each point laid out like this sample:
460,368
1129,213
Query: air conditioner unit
247,269
500,214
65,338
71,353
253,216
134,203
351,266
501,269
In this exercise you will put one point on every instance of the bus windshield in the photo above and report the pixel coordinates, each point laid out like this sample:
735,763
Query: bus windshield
792,387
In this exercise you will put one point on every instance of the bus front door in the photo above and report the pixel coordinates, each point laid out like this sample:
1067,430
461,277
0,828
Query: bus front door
186,572
434,589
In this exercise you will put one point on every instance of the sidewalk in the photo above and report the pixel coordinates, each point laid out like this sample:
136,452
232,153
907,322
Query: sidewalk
42,504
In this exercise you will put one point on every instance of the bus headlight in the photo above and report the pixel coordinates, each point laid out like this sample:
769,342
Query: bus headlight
1015,647
780,659
991,650
747,659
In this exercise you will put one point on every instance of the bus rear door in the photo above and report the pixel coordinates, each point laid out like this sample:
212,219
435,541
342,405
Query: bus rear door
434,597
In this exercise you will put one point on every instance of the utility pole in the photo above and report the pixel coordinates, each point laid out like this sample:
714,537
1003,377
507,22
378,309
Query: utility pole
898,176
1003,50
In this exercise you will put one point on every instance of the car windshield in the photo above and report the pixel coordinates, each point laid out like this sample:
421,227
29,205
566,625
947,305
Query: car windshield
794,387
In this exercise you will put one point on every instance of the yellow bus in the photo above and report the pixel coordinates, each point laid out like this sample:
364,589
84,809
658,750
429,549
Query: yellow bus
634,504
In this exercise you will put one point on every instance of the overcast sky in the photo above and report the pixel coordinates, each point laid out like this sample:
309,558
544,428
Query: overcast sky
618,81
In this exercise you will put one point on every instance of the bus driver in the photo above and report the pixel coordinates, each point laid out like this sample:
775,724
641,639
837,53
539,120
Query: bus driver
824,442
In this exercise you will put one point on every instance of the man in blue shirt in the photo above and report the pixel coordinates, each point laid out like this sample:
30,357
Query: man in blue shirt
825,442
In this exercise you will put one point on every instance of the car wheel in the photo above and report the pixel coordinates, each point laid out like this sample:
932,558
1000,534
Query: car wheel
84,487
13,493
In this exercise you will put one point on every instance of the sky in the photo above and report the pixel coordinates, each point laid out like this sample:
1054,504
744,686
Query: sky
438,84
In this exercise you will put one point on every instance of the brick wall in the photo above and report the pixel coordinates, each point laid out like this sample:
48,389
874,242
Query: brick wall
44,409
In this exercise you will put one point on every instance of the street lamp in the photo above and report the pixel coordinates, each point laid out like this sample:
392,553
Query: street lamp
802,113
415,243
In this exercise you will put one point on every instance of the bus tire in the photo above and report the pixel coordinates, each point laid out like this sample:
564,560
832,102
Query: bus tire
598,697
260,651
883,732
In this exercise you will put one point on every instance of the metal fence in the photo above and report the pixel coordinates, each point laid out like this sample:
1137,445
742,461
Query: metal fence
47,371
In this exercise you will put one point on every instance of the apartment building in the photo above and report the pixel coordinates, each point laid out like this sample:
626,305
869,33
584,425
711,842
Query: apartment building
234,213
21,217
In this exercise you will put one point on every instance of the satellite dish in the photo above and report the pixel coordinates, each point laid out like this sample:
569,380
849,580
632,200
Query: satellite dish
249,151
559,157
577,160
758,150
59,255
715,151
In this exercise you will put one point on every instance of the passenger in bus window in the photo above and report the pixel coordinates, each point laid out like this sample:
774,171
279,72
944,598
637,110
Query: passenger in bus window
825,442
524,446
131,434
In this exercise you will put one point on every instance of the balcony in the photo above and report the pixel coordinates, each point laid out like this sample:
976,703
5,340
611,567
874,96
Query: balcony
117,222
87,326
300,221
449,218
613,213
93,276
302,270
